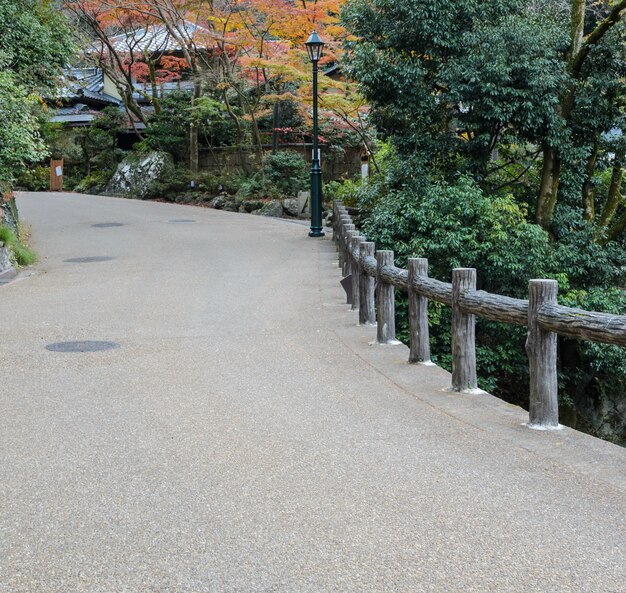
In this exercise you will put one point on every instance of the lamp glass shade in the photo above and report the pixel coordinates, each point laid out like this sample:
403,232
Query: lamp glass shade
314,46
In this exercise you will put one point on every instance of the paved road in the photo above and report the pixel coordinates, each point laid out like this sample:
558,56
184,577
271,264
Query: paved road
247,437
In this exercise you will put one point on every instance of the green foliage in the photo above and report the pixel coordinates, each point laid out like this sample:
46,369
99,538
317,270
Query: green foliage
34,46
20,141
457,225
22,254
283,173
168,130
35,178
36,42
98,143
93,183
176,186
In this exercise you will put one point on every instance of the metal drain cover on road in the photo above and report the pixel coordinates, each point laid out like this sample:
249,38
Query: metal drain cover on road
86,260
83,346
106,225
181,220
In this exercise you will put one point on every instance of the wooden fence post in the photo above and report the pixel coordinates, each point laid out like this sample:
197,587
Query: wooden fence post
355,269
385,302
338,210
350,235
343,220
418,314
463,333
345,241
541,350
367,308
341,211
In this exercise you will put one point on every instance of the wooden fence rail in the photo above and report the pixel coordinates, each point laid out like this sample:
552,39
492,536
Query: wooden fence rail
375,279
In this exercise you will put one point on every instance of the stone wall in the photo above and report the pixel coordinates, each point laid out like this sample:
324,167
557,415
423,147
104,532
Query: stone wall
229,158
8,218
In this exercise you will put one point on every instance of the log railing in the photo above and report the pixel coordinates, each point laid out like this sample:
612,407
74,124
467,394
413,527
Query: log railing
375,279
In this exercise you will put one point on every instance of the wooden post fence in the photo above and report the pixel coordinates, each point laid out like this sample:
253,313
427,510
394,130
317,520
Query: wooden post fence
385,301
375,279
367,308
541,350
463,333
419,340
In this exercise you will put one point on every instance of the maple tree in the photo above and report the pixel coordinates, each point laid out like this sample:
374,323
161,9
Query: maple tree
247,53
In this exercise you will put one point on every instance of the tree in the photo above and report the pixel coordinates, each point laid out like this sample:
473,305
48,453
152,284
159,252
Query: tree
464,82
579,57
248,54
34,46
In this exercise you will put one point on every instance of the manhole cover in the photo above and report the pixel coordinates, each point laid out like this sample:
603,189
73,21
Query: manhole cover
84,346
181,220
106,225
86,260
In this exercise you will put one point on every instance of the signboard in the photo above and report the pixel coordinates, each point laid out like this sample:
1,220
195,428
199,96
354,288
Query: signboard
56,175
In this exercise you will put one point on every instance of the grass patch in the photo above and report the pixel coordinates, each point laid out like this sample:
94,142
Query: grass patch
7,236
23,255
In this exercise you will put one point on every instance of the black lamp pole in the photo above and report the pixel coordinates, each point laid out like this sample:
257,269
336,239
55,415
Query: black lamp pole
314,47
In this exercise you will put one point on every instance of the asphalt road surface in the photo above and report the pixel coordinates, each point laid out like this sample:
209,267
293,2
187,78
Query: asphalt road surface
246,436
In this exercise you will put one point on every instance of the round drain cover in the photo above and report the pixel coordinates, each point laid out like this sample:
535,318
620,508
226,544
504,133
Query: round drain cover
181,220
106,225
86,260
84,346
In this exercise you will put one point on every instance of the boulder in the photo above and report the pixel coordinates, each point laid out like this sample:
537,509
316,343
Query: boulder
225,202
219,202
252,205
303,202
290,206
272,208
137,175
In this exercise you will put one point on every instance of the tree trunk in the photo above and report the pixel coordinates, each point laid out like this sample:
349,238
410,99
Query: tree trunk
588,198
156,103
193,127
550,176
615,197
616,230
275,124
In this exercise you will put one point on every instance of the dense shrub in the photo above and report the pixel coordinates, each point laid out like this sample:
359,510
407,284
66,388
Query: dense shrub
283,173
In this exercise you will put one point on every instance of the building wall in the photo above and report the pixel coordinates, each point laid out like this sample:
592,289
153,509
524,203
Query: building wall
110,88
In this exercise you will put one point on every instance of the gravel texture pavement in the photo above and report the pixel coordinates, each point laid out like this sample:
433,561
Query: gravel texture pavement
248,437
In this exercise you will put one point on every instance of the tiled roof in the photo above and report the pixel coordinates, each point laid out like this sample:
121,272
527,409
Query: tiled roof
84,83
155,39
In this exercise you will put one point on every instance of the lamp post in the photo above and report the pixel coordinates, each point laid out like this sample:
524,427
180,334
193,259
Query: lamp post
314,46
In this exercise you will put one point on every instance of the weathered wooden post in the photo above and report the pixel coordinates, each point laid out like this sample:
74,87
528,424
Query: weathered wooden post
418,313
338,210
385,301
350,235
541,350
367,308
355,269
343,220
463,333
345,241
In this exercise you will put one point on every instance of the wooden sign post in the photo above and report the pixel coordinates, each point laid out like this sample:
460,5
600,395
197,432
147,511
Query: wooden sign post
56,175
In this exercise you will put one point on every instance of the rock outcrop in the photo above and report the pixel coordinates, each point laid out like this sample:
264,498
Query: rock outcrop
138,175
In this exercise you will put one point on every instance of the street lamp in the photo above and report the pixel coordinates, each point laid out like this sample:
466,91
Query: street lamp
314,46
